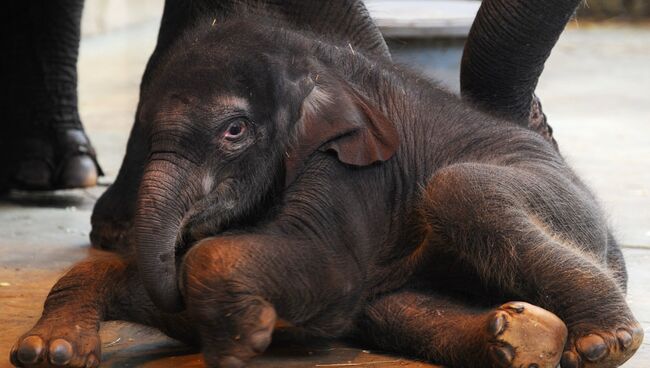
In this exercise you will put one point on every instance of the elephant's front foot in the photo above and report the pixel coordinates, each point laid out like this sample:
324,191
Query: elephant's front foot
234,324
591,346
57,342
229,340
524,335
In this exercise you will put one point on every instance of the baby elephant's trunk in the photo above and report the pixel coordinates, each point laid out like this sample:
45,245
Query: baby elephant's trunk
164,198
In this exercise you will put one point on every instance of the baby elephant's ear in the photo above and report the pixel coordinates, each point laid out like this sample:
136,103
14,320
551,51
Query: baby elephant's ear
364,135
343,121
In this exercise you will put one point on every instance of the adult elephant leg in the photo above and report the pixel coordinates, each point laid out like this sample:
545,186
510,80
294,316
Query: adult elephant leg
450,332
112,216
342,21
505,54
47,146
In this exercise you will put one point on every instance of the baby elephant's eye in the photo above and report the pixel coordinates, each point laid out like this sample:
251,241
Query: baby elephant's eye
235,130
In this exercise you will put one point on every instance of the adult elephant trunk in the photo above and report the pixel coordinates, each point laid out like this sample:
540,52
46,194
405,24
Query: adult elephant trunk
505,53
164,198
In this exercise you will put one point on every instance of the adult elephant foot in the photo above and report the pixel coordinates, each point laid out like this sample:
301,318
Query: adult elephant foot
64,159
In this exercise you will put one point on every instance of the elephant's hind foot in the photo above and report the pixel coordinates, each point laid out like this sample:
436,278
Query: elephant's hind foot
591,347
524,335
448,331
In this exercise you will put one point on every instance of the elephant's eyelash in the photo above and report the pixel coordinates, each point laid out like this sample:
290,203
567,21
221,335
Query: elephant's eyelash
236,130
227,117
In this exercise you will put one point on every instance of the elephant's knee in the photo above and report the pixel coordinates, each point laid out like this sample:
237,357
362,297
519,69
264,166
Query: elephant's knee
467,191
449,193
465,206
212,266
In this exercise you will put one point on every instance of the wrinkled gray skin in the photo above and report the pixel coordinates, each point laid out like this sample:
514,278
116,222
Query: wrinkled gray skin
319,246
504,57
491,51
345,20
151,183
42,142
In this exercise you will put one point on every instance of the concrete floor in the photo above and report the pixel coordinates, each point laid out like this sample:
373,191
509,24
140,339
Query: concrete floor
595,94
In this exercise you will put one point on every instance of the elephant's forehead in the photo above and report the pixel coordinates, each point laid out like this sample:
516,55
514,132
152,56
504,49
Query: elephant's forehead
179,106
231,102
170,106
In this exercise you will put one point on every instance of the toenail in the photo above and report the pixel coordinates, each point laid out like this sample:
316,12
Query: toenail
268,316
13,358
498,324
624,338
92,361
60,352
570,360
230,362
637,335
593,347
80,171
260,341
30,349
519,308
503,355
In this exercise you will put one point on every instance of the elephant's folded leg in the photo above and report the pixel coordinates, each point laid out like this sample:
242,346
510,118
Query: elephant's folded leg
503,221
450,332
236,288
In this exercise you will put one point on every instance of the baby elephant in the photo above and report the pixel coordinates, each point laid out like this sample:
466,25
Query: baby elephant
296,179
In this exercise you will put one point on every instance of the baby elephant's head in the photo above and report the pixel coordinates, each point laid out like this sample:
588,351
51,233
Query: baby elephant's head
231,116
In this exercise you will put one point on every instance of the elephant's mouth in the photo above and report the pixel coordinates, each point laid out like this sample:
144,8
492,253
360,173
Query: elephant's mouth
209,216
219,212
